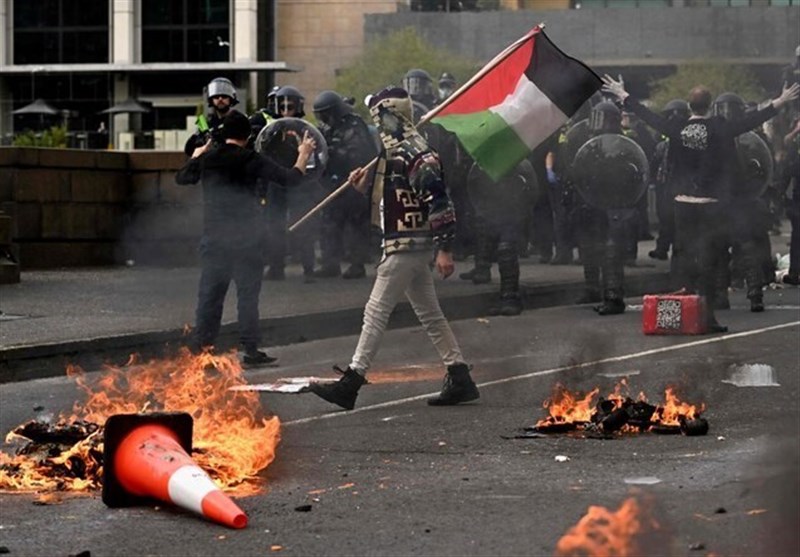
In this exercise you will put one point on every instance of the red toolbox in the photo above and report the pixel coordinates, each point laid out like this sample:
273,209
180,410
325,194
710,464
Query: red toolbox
674,314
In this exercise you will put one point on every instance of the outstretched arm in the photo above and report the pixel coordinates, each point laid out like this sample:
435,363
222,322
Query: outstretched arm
655,121
750,121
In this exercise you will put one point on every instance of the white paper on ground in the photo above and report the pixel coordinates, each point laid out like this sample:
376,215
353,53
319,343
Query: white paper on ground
644,480
291,385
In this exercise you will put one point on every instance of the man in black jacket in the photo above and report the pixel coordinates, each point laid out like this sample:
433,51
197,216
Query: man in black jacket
702,180
234,180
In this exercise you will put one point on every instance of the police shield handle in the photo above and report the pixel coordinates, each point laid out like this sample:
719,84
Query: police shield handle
325,202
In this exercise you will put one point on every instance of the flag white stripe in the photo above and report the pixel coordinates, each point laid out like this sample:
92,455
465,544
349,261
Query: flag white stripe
529,112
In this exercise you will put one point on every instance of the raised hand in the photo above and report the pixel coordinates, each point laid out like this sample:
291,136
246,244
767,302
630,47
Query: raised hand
613,87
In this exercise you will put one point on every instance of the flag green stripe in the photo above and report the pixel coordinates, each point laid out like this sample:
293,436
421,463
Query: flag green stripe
488,139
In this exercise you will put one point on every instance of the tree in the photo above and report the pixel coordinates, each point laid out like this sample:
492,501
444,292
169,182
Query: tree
385,62
719,78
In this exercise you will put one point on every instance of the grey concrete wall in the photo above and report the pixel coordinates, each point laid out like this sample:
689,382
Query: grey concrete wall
647,36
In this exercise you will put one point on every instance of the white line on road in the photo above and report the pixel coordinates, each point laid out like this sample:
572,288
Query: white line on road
551,371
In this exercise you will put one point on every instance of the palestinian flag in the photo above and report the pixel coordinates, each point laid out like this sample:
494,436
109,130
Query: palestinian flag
516,102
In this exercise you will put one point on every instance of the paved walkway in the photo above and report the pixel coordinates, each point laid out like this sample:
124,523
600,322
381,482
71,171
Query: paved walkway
54,316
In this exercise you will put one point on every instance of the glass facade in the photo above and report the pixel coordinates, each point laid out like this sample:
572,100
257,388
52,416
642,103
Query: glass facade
185,30
61,31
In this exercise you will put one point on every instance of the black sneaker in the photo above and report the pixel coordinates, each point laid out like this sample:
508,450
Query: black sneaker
757,305
258,358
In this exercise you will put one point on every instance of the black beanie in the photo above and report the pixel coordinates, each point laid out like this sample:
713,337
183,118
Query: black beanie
235,126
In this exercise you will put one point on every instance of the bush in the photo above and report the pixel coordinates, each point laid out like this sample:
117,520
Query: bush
387,61
55,137
719,78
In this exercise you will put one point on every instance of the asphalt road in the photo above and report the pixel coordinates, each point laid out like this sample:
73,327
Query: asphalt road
397,477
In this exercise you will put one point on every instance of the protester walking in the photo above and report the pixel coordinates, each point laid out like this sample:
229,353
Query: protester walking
411,205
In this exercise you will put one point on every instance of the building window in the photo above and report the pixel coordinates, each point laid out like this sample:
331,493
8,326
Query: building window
185,31
60,32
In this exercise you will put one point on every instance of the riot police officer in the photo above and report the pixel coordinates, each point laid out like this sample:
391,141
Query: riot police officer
350,146
676,110
263,116
447,85
221,98
609,173
290,103
419,85
749,216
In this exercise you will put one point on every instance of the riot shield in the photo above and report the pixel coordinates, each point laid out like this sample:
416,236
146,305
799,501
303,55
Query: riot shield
610,172
755,166
279,141
576,135
507,199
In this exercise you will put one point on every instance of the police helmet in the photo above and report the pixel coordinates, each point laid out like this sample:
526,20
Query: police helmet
329,107
677,109
729,105
605,117
447,84
419,85
272,102
221,86
288,96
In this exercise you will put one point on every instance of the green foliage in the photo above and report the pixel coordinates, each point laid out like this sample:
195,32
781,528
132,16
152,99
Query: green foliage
385,62
719,78
55,137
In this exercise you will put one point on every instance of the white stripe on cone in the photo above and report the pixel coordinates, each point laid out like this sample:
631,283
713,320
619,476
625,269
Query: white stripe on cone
188,486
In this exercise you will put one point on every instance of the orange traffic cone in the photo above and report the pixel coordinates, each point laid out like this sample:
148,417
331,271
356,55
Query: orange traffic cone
146,456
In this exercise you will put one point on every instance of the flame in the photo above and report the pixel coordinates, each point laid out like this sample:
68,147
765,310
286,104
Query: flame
568,407
673,409
233,440
573,407
604,533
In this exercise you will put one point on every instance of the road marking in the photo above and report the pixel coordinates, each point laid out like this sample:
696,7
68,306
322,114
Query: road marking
552,371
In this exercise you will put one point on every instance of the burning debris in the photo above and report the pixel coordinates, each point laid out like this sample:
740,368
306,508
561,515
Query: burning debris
600,416
602,532
234,440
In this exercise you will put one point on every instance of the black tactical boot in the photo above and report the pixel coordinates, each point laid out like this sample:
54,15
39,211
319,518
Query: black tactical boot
791,278
508,264
343,392
611,306
253,357
757,303
458,387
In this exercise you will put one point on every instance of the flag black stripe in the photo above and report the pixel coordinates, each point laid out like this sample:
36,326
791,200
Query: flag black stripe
566,81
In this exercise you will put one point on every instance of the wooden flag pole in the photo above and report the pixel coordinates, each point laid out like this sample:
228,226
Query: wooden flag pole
426,118
325,202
